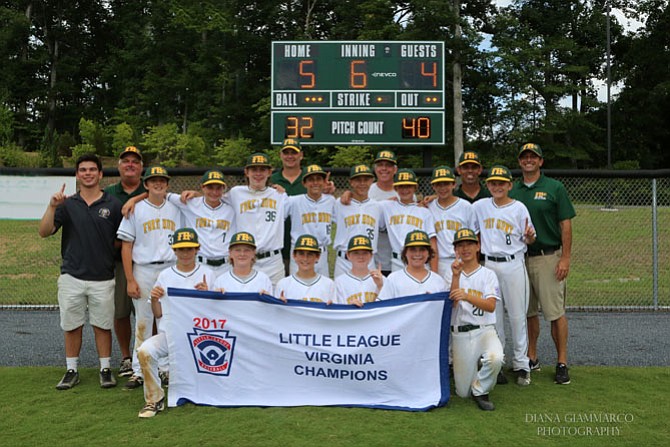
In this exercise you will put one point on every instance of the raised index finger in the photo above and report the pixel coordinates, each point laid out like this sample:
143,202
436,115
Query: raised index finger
62,190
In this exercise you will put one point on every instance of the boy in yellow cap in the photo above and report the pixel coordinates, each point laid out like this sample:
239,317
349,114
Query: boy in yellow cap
416,278
306,284
359,285
186,274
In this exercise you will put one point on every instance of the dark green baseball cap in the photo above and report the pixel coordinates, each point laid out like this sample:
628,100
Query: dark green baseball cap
405,177
469,157
499,172
386,155
258,159
313,170
291,143
417,238
534,148
442,174
361,170
359,242
242,238
155,171
212,177
185,238
465,234
307,242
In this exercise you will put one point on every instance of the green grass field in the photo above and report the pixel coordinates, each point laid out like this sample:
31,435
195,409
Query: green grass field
603,406
611,264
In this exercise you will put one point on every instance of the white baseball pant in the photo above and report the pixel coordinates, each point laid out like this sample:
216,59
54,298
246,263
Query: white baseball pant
515,291
469,349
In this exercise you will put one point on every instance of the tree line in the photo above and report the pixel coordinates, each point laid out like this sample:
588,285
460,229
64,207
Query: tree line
189,81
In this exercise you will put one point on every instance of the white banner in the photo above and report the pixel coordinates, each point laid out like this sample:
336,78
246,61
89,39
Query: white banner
25,197
254,350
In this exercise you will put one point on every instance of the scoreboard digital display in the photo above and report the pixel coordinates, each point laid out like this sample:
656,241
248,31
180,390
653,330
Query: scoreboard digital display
336,92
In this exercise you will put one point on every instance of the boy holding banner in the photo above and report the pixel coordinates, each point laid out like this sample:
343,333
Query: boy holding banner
306,284
185,274
242,277
415,278
359,285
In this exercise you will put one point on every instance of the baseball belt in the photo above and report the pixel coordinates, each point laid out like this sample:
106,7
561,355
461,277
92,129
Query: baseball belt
500,259
544,251
267,254
468,327
212,262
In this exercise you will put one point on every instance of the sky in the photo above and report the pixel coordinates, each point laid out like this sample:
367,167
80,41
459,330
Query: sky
629,25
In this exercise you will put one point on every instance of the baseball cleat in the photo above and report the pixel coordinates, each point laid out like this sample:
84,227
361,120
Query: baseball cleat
522,377
484,403
69,380
135,381
107,379
562,377
534,365
126,367
165,378
151,409
501,379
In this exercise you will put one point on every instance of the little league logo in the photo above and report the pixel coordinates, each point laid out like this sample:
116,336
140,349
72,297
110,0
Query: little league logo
212,351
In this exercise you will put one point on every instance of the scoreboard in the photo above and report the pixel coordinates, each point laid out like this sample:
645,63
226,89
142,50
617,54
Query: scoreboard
357,92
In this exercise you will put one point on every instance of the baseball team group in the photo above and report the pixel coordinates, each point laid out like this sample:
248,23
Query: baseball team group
500,247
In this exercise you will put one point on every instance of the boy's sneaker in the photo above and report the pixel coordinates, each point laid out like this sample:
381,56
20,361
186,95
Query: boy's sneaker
135,381
484,403
562,377
107,379
126,367
152,408
501,379
69,380
165,378
534,365
522,377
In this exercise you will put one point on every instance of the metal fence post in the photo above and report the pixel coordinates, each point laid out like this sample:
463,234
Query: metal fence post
654,232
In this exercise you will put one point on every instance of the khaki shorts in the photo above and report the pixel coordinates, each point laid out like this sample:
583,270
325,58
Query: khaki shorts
76,295
546,292
123,304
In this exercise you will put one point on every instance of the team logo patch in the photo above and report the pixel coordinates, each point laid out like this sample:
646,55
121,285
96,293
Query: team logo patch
104,213
540,195
212,351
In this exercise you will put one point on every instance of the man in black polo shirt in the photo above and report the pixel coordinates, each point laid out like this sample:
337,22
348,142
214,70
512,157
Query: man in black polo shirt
130,185
89,220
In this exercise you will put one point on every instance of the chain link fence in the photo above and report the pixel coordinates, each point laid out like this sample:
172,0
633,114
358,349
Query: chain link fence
621,240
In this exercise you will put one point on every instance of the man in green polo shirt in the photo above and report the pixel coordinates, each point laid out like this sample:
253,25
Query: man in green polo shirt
548,259
130,185
289,177
469,168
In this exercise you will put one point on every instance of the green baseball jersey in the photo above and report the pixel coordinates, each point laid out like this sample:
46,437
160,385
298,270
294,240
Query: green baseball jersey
548,203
